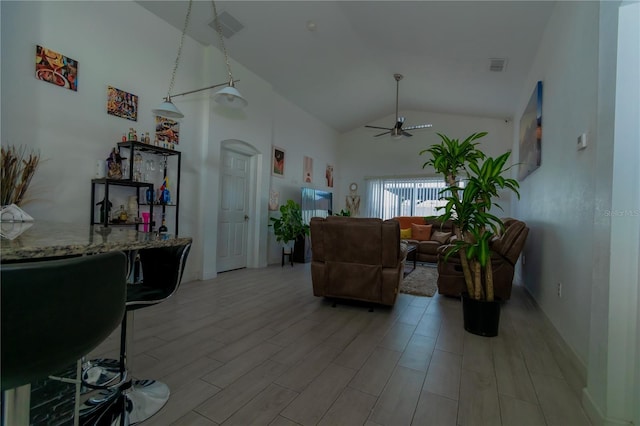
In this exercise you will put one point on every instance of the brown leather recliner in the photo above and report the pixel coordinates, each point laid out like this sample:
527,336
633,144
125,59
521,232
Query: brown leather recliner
357,258
505,250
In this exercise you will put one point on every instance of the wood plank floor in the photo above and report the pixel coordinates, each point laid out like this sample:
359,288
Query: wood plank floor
255,347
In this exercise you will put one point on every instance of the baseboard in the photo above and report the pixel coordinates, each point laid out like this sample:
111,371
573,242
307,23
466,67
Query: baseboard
596,416
573,358
592,410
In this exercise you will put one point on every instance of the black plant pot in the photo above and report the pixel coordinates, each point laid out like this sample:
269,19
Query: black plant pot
480,317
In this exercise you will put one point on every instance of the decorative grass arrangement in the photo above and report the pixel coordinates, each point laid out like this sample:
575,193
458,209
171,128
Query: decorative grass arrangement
18,165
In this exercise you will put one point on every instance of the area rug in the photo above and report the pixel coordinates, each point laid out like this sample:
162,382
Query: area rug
422,281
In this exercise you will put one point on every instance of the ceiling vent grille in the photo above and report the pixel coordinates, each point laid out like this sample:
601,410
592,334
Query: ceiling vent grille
228,23
497,64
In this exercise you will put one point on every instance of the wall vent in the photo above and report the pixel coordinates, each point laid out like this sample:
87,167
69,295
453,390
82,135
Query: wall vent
228,23
497,64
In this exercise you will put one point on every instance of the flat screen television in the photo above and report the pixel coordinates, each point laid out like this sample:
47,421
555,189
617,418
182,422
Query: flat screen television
316,203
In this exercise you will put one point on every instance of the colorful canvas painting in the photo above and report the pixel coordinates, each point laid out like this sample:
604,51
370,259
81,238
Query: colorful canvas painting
56,68
278,162
167,130
122,104
531,134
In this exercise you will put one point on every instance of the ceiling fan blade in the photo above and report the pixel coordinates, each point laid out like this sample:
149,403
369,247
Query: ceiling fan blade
376,127
383,133
406,134
419,126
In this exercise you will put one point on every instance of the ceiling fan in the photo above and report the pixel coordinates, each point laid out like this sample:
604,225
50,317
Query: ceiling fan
398,131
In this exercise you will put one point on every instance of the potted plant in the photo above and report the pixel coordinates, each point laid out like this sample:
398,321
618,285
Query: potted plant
468,206
18,165
289,226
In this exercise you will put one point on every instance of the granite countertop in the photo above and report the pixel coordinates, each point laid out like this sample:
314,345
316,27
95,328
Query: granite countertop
42,239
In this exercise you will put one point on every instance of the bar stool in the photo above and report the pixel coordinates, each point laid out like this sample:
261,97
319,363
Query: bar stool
53,313
137,400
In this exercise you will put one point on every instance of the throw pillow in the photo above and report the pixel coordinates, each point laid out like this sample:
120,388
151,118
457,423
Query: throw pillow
440,237
421,232
405,234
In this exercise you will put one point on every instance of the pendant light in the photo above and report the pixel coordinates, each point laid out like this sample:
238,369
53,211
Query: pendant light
228,96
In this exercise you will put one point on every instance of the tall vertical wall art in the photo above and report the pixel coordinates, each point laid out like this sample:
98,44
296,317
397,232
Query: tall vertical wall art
531,134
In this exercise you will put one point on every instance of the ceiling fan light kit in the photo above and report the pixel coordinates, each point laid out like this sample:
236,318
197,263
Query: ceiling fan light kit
397,131
228,96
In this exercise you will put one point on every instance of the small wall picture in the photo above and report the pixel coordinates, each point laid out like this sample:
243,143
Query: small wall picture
122,104
278,162
307,170
329,175
274,200
531,134
167,130
56,68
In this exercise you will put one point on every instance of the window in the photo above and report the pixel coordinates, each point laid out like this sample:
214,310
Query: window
390,197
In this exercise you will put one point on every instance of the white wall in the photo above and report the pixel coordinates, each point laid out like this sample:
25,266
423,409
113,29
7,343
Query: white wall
300,135
362,155
557,199
621,339
568,202
123,45
116,44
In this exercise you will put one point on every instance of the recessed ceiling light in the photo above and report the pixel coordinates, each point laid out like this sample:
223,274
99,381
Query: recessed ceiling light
311,26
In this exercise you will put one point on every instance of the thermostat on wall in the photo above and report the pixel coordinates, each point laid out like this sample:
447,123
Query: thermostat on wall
582,141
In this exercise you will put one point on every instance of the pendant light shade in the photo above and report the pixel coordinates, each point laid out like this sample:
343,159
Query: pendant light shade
230,97
168,109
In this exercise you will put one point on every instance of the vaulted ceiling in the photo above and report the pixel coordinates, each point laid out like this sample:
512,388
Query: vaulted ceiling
336,59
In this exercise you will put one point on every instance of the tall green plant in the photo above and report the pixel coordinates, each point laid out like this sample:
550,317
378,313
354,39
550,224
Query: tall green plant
450,157
289,225
469,207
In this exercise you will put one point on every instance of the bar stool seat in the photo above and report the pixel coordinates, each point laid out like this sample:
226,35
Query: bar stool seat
162,270
53,313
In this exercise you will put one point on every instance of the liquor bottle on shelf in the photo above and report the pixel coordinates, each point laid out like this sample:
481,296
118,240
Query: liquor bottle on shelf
163,228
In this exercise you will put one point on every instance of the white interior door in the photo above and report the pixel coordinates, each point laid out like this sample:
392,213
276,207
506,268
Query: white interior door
233,215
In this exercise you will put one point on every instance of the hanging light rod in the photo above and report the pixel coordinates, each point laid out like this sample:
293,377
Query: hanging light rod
204,88
229,96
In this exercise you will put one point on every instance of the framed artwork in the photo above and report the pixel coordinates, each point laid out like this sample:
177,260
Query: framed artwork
307,170
56,68
278,162
329,175
167,130
274,200
531,134
122,104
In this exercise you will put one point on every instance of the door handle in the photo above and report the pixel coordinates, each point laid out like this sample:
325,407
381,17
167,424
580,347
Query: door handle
246,217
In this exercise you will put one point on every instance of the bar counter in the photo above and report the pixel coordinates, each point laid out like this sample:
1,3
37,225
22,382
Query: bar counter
41,239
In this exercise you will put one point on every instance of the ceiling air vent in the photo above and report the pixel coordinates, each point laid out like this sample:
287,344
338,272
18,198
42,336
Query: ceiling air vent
497,64
228,23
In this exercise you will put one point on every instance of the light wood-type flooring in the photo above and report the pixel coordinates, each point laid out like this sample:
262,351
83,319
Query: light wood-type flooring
255,347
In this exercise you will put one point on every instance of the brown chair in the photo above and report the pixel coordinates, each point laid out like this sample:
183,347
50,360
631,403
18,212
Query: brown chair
357,258
505,250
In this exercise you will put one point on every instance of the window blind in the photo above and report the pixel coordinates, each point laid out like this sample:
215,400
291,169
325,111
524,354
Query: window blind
390,197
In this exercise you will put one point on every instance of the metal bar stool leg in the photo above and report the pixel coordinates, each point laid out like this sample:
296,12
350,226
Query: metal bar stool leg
16,406
143,398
